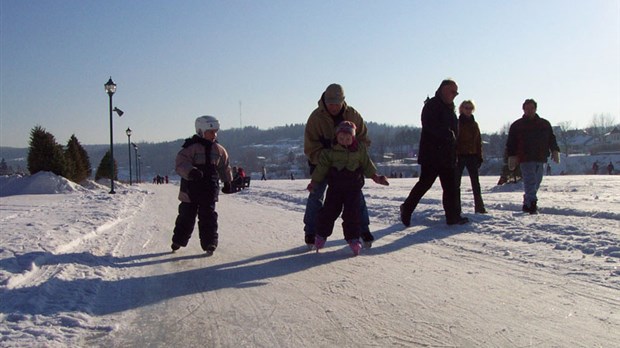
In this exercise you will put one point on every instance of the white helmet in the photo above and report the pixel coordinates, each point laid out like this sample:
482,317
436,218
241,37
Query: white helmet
205,123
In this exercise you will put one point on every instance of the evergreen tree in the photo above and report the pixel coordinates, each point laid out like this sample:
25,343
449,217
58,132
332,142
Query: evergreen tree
4,168
103,171
78,160
44,153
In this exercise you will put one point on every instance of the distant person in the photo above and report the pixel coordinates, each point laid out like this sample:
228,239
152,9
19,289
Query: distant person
437,155
238,178
292,176
530,139
469,153
319,134
344,167
610,168
595,168
264,177
201,164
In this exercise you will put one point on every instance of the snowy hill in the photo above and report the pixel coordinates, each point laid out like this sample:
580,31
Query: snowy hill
83,268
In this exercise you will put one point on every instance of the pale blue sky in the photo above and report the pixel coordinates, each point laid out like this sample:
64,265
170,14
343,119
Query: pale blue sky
176,60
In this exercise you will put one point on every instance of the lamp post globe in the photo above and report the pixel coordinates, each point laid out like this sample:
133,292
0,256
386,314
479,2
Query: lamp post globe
128,132
110,88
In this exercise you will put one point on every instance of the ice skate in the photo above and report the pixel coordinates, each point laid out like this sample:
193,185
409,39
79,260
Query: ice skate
355,246
319,243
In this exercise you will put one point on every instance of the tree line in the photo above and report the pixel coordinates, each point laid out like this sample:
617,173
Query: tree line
71,162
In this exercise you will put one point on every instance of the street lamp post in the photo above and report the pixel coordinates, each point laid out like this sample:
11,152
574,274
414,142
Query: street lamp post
128,132
139,157
110,88
135,147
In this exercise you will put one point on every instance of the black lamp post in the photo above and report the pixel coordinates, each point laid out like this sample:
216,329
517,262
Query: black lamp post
110,88
135,147
128,132
139,157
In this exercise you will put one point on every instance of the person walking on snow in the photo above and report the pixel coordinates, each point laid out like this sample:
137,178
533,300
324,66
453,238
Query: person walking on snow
437,157
344,167
530,139
469,153
201,163
318,136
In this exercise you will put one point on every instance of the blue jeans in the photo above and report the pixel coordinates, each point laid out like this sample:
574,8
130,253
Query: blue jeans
532,173
315,203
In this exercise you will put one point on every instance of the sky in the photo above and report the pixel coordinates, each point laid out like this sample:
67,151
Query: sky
266,63
82,268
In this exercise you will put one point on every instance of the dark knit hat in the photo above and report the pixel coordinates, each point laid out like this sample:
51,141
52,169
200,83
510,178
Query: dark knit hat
334,94
346,127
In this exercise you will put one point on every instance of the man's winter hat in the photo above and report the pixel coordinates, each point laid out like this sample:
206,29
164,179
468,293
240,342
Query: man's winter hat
205,123
334,94
346,127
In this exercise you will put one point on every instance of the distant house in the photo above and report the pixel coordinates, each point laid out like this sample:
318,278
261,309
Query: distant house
612,137
574,141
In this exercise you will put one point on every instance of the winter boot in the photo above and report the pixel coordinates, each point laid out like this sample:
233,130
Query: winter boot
309,239
405,215
367,239
210,249
319,242
355,246
533,208
459,220
175,247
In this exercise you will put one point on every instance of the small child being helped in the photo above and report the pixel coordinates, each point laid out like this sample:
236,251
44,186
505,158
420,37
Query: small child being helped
344,166
201,163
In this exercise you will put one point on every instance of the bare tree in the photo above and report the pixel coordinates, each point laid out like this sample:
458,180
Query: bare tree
566,128
601,124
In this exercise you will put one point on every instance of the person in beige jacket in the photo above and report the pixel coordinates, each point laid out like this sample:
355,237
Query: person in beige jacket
201,164
319,134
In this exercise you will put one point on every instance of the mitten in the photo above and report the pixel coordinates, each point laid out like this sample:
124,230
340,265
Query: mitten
228,188
194,174
380,179
512,162
555,155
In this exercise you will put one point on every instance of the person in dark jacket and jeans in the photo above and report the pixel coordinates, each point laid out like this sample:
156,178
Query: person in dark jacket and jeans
437,156
201,163
469,153
530,139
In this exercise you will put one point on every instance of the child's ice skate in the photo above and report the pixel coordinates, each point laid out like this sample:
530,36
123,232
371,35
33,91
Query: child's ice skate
319,242
355,246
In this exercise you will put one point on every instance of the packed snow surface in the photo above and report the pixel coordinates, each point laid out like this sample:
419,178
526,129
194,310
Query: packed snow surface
81,267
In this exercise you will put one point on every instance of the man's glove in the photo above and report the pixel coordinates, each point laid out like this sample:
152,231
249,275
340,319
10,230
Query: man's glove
555,155
380,179
194,174
310,187
480,160
512,163
228,188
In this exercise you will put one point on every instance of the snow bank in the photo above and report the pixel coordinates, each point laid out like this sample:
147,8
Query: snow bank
39,183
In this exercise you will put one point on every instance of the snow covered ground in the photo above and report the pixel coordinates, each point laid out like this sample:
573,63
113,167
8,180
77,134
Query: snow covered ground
81,267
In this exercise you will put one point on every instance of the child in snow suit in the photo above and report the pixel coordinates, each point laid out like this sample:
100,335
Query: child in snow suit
344,166
201,163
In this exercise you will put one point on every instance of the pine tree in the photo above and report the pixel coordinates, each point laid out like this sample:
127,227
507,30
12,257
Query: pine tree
44,153
4,168
78,160
103,171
